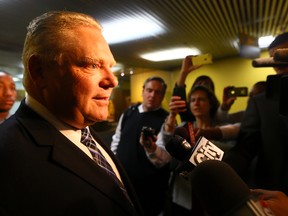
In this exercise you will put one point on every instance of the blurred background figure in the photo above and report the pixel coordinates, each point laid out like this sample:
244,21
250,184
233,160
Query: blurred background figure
263,136
150,182
257,88
203,105
8,95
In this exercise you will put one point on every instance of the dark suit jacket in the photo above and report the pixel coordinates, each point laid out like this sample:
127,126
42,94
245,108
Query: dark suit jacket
263,135
43,173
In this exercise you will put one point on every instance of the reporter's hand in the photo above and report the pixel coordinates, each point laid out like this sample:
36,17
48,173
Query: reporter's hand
186,68
177,105
149,143
277,201
187,65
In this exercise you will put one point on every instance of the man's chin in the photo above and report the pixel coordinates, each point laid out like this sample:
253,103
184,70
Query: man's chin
152,107
99,117
2,110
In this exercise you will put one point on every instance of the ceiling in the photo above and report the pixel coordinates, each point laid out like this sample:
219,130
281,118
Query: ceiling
212,26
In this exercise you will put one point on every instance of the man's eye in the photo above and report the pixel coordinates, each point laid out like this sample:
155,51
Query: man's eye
95,66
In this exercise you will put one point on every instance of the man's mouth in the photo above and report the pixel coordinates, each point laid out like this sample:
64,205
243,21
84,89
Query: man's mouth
8,102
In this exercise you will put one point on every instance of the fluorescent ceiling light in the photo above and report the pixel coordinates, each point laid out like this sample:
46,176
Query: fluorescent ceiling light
265,41
117,67
171,54
131,28
16,79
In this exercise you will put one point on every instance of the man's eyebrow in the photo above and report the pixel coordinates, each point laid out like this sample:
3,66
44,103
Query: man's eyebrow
91,60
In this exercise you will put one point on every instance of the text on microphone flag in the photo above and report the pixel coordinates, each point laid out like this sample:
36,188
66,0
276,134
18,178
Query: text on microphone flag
205,150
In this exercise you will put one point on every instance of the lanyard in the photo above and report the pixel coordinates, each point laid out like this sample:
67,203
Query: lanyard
191,133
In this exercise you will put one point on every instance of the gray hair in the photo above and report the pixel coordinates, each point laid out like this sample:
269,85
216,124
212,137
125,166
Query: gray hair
46,36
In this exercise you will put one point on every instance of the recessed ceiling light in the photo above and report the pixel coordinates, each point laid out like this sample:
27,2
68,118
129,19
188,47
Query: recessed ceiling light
170,54
131,28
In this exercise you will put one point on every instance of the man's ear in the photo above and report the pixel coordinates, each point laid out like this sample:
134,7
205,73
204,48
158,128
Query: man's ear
35,66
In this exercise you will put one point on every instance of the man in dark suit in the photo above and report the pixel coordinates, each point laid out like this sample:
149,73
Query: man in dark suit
44,167
263,135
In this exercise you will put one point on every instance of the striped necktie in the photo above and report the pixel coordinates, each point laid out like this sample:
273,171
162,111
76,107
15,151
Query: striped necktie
99,158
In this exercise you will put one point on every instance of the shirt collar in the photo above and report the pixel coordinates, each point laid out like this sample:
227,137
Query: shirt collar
65,129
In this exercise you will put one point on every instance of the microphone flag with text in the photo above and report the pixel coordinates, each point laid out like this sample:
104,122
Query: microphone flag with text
190,156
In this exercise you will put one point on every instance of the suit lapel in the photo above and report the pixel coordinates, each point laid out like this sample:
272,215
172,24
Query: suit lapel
69,156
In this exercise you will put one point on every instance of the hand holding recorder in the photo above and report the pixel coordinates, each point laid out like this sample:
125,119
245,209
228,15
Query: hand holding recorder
148,139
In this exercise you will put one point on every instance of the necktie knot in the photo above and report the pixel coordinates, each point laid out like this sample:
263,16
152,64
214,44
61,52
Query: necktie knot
85,136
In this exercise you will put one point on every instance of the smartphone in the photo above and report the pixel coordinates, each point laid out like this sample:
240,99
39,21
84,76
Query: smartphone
202,59
238,92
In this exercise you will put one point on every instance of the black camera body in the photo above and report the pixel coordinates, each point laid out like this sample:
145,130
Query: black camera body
148,131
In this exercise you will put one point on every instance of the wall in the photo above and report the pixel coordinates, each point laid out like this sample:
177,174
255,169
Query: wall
233,71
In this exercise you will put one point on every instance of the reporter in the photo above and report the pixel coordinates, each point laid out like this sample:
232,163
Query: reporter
262,139
150,181
231,130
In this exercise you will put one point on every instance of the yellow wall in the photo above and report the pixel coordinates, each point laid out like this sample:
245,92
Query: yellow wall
233,71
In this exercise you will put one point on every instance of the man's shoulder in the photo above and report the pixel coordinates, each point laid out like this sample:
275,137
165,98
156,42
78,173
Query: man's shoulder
131,109
262,100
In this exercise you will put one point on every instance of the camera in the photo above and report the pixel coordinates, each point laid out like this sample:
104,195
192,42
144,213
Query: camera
238,92
148,131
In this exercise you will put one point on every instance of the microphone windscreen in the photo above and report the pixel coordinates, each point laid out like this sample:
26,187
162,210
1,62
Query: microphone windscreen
178,147
281,55
218,188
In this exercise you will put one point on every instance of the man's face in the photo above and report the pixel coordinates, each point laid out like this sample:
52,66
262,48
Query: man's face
7,92
78,91
279,70
152,95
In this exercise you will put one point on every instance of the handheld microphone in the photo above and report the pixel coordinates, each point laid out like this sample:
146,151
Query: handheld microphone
180,148
222,192
268,62
182,132
280,59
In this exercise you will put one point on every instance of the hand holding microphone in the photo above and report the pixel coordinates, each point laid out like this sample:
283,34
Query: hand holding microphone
214,183
277,201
